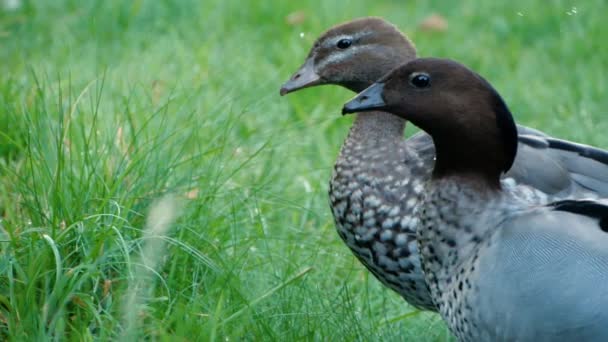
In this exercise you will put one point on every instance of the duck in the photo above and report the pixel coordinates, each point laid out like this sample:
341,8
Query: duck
378,175
501,264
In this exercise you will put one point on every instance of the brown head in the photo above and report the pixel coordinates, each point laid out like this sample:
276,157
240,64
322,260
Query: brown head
352,55
472,128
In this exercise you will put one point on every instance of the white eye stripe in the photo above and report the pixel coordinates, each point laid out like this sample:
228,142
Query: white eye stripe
340,55
329,43
417,73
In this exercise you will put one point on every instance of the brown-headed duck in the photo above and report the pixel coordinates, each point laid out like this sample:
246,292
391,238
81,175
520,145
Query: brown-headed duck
501,264
378,175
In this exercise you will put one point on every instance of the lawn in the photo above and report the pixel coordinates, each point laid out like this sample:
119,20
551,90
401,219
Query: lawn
153,184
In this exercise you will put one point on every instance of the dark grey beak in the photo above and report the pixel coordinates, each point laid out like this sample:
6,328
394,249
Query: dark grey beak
303,78
367,100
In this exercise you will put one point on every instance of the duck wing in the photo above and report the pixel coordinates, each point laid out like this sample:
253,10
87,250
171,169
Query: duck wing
545,275
554,166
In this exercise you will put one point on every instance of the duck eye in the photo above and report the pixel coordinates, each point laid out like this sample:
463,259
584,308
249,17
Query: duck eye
420,80
344,43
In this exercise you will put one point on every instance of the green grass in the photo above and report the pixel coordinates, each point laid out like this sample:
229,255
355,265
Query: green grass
108,107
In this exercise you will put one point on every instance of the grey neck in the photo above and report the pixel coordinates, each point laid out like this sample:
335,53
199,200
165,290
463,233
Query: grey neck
377,126
461,215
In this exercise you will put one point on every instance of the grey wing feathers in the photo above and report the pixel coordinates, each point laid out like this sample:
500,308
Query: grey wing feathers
569,168
597,209
556,167
551,281
529,131
422,143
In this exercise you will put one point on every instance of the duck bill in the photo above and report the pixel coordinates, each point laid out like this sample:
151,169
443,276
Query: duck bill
367,100
303,78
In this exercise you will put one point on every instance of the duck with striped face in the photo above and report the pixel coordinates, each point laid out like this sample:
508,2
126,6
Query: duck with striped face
337,56
378,177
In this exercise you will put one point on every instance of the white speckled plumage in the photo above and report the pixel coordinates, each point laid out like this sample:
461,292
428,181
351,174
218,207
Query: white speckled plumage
501,263
502,267
375,218
378,175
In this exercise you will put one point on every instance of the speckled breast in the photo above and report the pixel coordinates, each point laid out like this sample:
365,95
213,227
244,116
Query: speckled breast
373,195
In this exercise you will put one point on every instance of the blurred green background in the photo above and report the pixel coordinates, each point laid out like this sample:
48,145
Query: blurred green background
107,106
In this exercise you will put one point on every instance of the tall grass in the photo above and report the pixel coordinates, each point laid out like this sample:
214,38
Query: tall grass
109,106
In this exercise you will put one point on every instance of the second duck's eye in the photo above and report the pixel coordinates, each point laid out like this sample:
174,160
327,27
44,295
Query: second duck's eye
344,43
420,80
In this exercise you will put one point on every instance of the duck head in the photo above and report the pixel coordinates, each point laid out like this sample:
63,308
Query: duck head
472,128
353,55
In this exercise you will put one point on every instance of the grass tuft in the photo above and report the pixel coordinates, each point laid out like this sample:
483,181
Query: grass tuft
153,185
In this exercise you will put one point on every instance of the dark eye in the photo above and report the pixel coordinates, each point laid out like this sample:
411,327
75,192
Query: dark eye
420,80
344,43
